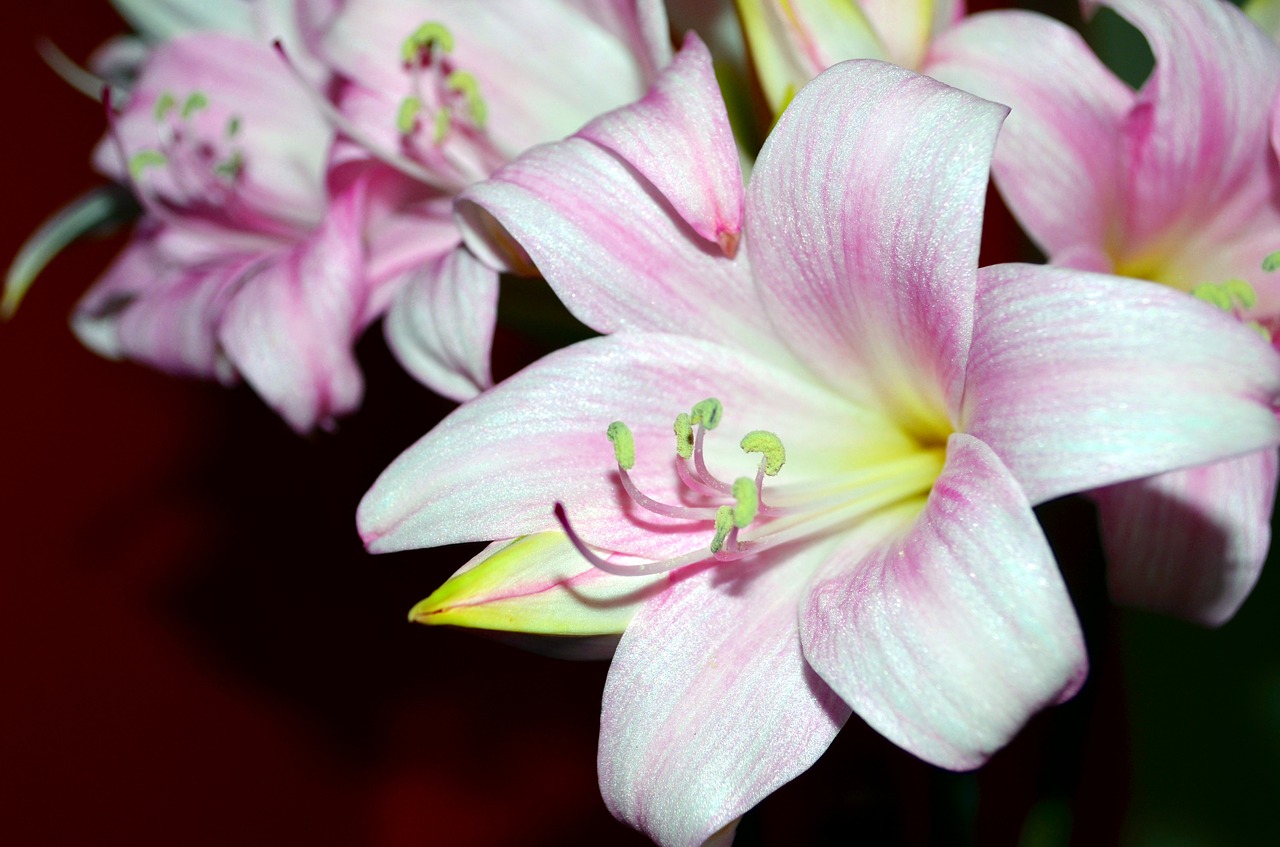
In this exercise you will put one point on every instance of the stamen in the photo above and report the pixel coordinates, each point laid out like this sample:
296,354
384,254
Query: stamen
164,104
624,445
142,160
443,120
643,569
707,413
233,126
746,502
407,114
684,436
1212,294
769,446
1272,262
1242,292
424,39
724,523
466,85
195,102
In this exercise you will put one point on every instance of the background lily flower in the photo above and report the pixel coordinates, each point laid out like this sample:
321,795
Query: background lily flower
792,41
243,264
1177,183
873,549
434,96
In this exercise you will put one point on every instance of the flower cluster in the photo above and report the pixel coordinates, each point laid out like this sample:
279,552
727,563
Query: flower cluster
792,480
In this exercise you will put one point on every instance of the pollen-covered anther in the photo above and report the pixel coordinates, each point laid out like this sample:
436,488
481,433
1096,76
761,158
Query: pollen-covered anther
466,84
707,413
1228,296
724,525
770,448
624,444
1271,263
143,160
424,40
746,502
407,114
684,436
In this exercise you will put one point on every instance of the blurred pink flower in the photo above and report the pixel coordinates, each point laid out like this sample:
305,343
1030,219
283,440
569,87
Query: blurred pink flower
436,94
900,411
1177,183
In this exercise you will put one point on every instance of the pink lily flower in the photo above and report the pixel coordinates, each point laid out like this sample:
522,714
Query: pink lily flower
848,526
243,265
1177,183
436,95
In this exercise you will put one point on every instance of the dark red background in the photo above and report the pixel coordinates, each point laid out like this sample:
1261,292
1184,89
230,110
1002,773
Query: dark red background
195,649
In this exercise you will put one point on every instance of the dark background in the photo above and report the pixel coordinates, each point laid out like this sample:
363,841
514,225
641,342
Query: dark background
195,650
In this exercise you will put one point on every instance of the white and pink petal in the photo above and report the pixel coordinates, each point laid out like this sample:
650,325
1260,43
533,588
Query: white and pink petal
1190,543
1080,380
948,635
710,706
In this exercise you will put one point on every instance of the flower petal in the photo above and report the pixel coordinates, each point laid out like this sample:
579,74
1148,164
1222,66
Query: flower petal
1197,138
538,584
441,324
864,213
1058,159
1190,543
612,248
290,329
709,705
793,42
161,20
906,27
152,308
949,637
495,467
678,137
1081,380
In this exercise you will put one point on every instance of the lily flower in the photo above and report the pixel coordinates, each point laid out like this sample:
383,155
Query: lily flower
1177,183
242,265
792,41
435,95
815,493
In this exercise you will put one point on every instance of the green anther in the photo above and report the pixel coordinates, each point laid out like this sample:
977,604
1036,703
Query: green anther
164,105
1261,330
1272,262
194,103
624,445
684,436
442,126
768,445
724,523
144,159
233,126
746,502
1213,294
707,413
407,114
1242,292
426,37
466,85
230,169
